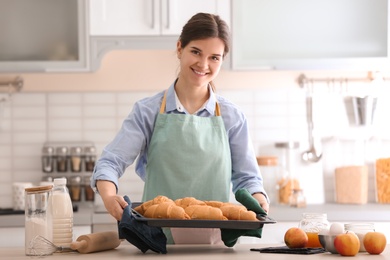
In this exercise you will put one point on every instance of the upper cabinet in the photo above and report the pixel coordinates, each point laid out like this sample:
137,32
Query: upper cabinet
143,24
306,34
148,17
43,36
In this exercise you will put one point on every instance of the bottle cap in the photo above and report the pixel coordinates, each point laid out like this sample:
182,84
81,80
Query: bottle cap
59,181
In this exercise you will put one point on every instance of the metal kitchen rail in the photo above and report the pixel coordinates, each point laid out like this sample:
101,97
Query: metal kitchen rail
15,85
341,84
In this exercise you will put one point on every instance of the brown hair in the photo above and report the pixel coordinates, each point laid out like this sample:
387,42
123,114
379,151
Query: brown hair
204,25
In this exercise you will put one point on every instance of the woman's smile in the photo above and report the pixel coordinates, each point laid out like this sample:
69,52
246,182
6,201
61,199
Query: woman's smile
200,73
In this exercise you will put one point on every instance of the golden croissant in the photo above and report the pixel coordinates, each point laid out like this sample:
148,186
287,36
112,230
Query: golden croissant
237,212
166,210
214,203
188,201
204,212
141,209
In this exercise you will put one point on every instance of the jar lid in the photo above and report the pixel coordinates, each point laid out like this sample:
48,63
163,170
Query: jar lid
288,145
63,150
75,150
90,150
39,188
47,150
267,160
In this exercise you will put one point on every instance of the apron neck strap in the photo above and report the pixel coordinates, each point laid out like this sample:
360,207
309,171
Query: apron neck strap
164,102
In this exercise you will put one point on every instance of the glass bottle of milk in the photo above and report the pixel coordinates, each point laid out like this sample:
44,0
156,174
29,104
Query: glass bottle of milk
62,214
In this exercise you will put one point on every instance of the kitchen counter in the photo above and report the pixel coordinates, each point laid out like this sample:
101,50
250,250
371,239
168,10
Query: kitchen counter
372,212
240,251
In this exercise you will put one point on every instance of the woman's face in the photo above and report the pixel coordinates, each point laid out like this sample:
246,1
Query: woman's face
200,61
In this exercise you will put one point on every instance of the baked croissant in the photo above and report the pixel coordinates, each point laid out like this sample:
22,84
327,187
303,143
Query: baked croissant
141,209
188,201
165,210
204,212
237,212
214,203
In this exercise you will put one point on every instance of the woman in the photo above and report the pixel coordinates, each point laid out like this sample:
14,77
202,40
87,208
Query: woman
188,140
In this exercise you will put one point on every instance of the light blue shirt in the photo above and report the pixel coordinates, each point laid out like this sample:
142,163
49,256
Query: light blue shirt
132,141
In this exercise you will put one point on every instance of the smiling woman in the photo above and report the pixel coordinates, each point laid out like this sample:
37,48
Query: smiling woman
189,141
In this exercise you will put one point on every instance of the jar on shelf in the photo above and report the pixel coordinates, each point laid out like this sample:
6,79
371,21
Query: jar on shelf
62,159
75,159
312,224
75,188
360,229
90,158
270,172
288,179
89,193
47,159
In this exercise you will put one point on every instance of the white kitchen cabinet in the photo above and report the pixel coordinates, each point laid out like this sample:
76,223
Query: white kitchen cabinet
148,17
305,34
43,36
143,24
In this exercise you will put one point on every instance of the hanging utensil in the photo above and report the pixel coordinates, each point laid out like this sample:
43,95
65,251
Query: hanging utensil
312,154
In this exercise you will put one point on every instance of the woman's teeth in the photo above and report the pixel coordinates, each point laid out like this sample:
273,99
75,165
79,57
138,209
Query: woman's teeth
199,73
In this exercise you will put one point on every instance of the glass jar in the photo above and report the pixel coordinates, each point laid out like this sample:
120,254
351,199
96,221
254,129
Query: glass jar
269,170
312,224
90,158
62,159
38,219
75,159
288,179
47,159
89,193
360,229
75,188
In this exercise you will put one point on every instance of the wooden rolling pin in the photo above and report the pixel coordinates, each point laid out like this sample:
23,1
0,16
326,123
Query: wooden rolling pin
96,242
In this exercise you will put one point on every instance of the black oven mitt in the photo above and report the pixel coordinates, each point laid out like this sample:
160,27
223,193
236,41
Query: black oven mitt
139,234
230,236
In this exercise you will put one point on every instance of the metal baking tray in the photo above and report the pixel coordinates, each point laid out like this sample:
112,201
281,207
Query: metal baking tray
200,223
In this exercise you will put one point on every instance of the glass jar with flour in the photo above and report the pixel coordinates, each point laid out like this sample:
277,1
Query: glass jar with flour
38,218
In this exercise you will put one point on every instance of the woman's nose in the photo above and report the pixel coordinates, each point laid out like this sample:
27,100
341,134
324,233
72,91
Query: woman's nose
202,63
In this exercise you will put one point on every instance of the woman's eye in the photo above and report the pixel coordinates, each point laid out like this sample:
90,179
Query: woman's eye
195,52
215,58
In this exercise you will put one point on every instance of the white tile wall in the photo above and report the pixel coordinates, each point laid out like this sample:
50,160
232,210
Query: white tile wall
274,115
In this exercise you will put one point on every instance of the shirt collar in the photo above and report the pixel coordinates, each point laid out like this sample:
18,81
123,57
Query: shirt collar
173,103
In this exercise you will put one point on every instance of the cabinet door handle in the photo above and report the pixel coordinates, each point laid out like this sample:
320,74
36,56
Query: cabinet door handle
153,18
168,15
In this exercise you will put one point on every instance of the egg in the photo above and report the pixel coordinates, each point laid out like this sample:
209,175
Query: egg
336,228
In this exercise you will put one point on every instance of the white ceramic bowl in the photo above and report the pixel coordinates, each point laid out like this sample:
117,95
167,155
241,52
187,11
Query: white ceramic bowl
327,242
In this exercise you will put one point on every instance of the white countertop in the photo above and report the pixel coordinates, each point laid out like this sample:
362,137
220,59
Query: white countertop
188,252
372,212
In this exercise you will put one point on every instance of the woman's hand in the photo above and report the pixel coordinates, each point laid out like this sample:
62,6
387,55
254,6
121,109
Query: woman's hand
260,197
112,202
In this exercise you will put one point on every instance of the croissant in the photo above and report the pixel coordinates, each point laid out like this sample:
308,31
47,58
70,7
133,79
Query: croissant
166,210
237,212
188,201
214,203
204,212
141,209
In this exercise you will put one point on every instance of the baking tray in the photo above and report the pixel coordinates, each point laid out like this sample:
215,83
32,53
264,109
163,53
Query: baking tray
200,223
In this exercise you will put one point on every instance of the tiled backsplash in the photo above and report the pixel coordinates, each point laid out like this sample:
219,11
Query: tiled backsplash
28,120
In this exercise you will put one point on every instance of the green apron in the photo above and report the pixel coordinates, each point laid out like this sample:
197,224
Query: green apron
188,156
